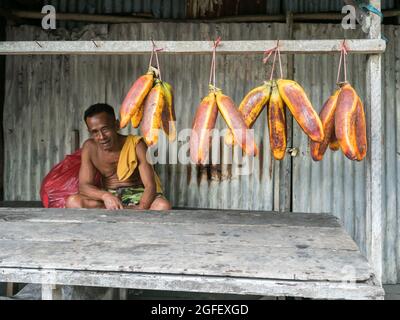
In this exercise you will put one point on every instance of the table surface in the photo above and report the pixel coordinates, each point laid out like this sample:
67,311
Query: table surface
224,251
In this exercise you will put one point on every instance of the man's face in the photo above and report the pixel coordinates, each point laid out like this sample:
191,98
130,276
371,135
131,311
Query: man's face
103,129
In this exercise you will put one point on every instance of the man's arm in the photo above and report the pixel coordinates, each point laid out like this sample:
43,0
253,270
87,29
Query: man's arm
87,175
147,175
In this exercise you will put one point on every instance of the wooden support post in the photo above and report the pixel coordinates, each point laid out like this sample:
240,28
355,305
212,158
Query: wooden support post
9,289
374,214
51,292
123,294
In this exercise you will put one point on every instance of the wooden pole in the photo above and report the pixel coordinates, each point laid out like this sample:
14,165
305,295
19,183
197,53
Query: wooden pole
374,214
189,47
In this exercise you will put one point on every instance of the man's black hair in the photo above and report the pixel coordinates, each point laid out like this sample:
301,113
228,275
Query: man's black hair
99,108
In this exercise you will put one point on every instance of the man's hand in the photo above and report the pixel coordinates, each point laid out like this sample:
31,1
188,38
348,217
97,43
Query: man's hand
112,202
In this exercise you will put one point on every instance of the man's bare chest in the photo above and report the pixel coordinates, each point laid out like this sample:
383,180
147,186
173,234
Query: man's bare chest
106,163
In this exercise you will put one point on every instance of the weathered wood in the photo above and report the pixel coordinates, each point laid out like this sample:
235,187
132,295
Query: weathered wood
51,292
188,47
241,246
194,217
374,214
192,283
167,233
290,263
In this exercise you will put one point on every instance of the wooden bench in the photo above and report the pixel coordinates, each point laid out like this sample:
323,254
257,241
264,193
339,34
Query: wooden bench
213,251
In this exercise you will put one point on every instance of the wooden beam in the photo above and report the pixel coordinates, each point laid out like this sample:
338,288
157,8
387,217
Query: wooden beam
193,283
374,214
142,18
188,47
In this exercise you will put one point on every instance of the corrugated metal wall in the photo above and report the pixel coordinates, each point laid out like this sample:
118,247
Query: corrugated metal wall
53,92
337,185
45,100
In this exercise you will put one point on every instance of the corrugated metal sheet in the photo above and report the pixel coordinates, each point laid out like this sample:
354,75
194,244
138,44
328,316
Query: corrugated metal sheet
45,98
337,185
53,92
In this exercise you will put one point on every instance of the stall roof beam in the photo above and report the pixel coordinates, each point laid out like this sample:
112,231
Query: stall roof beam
365,46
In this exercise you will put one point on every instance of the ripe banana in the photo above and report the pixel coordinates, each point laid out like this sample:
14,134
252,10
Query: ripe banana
204,121
153,106
300,106
327,116
345,121
235,122
360,131
134,99
251,107
334,144
277,124
168,114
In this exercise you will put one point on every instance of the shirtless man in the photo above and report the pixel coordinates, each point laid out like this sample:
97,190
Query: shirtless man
101,153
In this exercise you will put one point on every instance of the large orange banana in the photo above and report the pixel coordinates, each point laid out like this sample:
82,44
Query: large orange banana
327,116
277,124
300,106
251,107
203,123
360,132
153,106
168,114
134,99
137,116
345,121
334,143
235,122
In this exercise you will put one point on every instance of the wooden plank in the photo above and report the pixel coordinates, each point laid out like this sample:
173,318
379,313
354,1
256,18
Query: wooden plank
188,47
210,217
284,263
195,234
374,214
190,283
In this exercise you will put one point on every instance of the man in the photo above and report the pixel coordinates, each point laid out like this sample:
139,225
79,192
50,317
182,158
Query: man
107,152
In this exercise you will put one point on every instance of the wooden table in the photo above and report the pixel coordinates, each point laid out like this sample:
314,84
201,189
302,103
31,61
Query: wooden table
214,251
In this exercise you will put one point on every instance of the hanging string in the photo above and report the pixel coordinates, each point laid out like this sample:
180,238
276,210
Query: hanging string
213,62
280,61
273,66
151,58
267,55
343,53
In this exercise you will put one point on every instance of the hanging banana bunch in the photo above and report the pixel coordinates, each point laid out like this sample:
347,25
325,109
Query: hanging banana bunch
206,116
275,94
344,121
150,102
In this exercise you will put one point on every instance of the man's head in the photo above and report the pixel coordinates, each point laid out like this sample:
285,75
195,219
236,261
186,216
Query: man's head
102,125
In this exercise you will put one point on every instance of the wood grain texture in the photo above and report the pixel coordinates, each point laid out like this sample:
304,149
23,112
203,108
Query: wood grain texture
202,245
